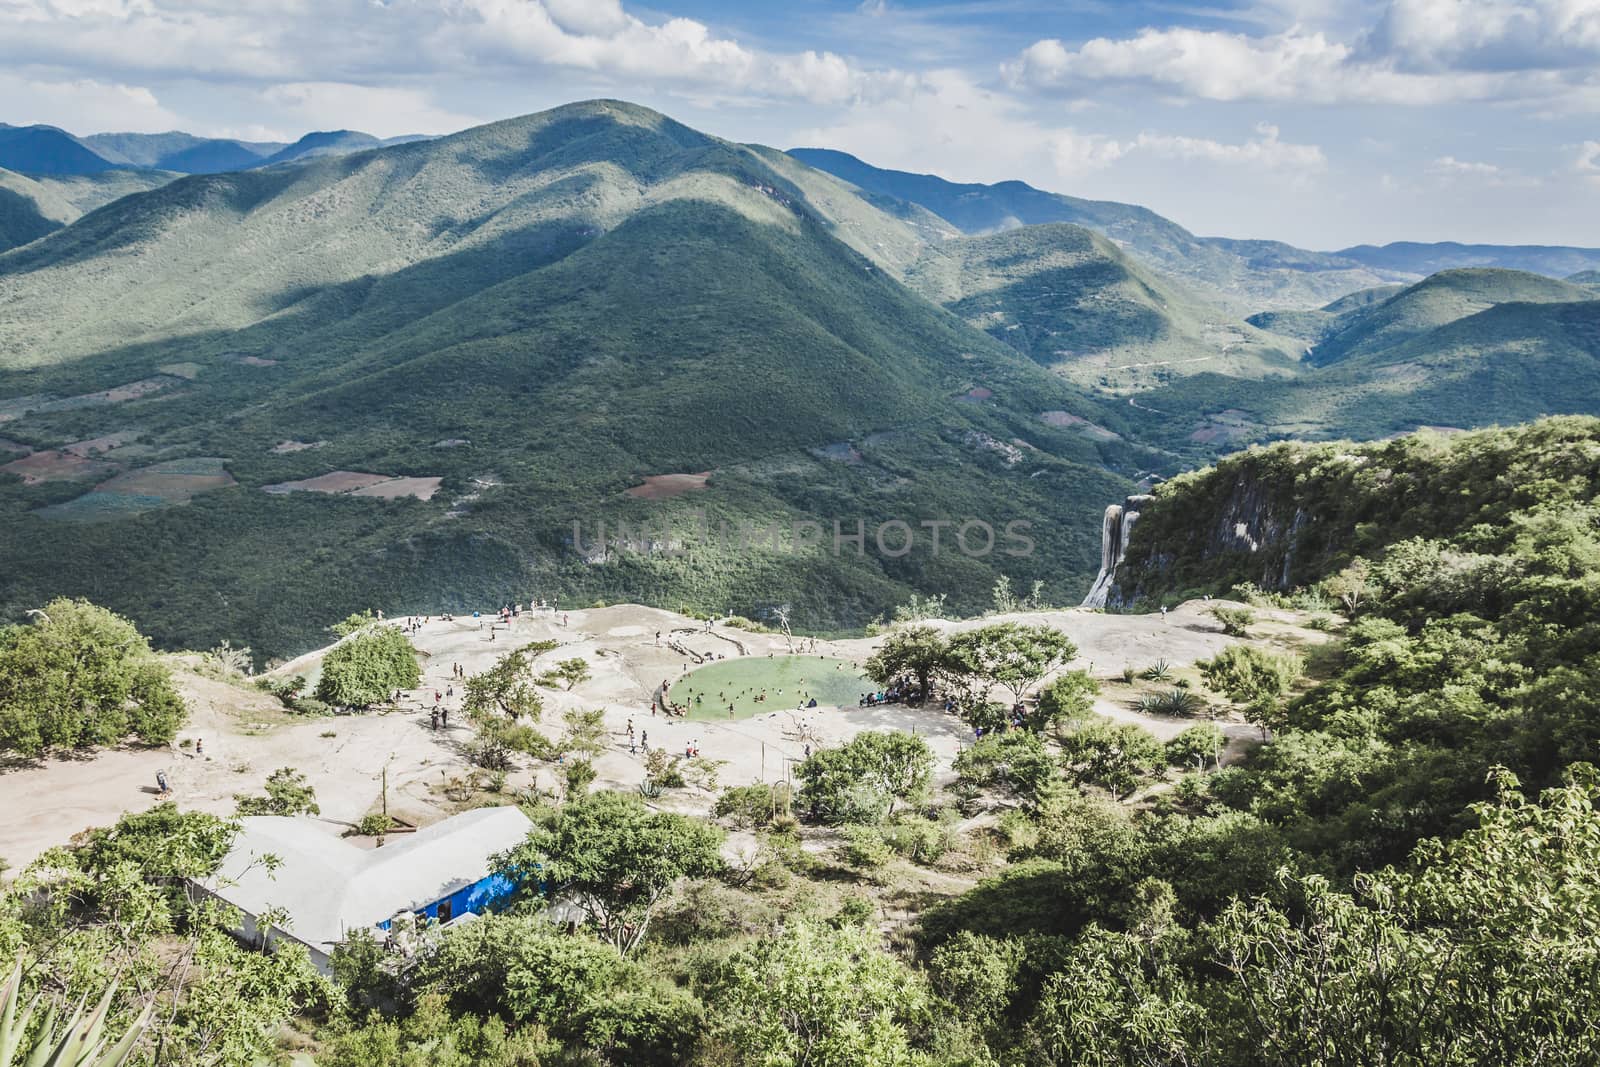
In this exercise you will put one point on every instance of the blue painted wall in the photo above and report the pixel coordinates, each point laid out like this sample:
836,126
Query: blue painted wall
487,894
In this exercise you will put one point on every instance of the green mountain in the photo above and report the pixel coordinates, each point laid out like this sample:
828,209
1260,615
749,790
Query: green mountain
1245,275
1460,350
181,152
332,143
47,150
31,207
542,314
1071,300
29,210
1589,279
1411,257
1316,323
1362,328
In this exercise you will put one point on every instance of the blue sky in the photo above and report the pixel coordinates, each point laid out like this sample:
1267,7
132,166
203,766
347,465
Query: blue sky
1317,122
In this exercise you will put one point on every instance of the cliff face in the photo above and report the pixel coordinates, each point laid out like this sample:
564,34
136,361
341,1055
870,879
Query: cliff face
1287,515
1250,519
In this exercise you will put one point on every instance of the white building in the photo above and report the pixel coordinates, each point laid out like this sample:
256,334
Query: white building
327,887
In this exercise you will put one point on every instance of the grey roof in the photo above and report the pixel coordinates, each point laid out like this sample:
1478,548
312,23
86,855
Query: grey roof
329,886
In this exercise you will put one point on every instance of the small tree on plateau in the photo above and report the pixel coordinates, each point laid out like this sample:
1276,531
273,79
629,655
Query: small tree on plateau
80,676
506,689
1011,655
569,672
861,781
615,858
363,669
919,652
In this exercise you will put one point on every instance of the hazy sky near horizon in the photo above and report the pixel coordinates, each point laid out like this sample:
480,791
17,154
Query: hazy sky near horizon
1320,122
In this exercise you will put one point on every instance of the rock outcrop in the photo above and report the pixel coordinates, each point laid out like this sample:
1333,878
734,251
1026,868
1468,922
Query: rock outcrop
1114,531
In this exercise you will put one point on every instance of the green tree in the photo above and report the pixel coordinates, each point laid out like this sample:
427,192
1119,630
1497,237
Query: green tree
430,1036
288,793
1016,761
505,689
80,676
1198,743
1256,678
1011,655
1115,756
569,672
364,668
917,651
353,623
1068,699
164,844
815,996
860,781
616,859
586,736
1236,622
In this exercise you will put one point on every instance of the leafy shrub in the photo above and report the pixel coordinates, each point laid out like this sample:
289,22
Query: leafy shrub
374,823
288,793
1236,622
865,848
750,806
860,781
363,669
81,676
1067,698
1196,745
920,839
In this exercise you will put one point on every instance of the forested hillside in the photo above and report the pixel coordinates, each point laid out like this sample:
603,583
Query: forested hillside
513,327
1368,822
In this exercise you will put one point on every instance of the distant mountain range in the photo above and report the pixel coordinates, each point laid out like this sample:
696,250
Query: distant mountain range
1460,349
422,375
543,314
1246,276
49,150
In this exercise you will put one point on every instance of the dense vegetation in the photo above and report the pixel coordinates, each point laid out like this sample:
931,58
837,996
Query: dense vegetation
605,295
1406,869
77,676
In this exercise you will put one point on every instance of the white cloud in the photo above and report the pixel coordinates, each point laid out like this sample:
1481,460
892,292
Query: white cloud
1488,35
1291,66
1419,52
935,122
368,42
1452,165
83,104
1265,150
609,41
336,105
1587,162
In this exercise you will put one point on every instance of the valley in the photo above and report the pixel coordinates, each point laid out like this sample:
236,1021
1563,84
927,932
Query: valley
532,324
846,533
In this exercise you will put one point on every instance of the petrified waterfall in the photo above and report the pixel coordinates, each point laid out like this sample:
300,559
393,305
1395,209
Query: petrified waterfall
1114,531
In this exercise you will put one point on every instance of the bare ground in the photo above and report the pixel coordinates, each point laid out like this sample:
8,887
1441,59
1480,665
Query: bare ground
247,734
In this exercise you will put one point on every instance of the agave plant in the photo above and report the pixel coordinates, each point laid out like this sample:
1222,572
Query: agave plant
82,1043
650,789
1160,671
1171,702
